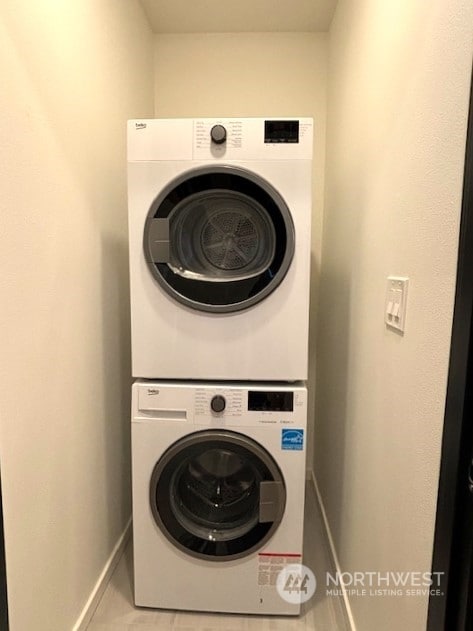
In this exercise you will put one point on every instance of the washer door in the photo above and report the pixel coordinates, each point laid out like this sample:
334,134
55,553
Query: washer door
219,239
217,495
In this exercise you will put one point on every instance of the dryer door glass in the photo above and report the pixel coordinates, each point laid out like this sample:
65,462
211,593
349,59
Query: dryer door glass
219,239
217,495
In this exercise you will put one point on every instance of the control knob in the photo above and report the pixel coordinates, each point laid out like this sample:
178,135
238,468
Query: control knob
218,403
218,134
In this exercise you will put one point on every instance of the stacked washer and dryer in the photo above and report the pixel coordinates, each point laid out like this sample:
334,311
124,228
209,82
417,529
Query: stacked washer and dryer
219,221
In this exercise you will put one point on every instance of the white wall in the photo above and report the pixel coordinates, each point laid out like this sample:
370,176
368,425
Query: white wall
399,76
250,74
72,73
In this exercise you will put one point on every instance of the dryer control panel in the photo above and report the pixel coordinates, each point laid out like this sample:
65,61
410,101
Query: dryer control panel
252,138
220,139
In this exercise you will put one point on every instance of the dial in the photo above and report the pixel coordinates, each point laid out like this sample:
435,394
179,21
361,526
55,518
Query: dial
218,134
218,403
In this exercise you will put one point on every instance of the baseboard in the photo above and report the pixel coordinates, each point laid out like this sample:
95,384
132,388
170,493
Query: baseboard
102,581
348,611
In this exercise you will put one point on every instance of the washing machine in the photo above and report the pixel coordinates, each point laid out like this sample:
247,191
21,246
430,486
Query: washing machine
219,234
218,494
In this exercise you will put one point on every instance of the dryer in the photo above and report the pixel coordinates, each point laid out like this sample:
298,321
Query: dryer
218,494
219,227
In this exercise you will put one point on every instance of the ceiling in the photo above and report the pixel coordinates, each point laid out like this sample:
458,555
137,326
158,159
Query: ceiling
236,16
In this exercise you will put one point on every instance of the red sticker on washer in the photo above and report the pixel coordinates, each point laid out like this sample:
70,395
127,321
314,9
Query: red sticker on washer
270,564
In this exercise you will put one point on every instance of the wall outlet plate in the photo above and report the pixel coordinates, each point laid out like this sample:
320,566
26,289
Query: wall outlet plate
396,302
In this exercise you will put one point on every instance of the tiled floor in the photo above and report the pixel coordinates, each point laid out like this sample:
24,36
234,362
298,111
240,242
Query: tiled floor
116,611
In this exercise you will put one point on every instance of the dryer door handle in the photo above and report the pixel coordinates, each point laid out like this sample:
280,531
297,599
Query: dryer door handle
271,501
158,240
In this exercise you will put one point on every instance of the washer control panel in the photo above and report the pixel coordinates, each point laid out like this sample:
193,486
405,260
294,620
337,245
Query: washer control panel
248,407
220,405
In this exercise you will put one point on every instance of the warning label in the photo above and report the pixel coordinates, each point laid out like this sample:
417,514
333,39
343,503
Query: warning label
271,564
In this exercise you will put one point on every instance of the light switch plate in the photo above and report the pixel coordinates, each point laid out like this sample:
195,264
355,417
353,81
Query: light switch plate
396,302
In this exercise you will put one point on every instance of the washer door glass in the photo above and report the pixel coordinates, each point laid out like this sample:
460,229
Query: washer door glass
217,495
219,239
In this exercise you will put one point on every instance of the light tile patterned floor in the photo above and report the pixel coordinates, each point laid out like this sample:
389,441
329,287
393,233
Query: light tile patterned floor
116,611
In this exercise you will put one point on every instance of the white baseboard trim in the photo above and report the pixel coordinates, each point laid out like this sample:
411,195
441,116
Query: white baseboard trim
102,581
333,551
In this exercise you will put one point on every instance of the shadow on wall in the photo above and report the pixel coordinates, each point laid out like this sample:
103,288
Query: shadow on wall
311,383
332,431
116,374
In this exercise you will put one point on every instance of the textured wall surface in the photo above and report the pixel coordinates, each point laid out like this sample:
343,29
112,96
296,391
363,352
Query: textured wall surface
399,77
251,74
72,73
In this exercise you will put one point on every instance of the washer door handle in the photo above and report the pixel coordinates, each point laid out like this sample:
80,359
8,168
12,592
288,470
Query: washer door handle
271,501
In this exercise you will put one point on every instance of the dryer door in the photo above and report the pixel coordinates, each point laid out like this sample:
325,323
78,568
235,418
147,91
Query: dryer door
219,239
217,495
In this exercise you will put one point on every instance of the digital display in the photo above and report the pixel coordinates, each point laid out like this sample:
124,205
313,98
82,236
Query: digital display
270,401
281,131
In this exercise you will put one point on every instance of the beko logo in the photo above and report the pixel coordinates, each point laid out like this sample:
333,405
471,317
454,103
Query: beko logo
153,391
140,125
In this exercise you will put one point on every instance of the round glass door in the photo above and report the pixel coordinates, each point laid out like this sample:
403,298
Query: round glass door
219,239
217,495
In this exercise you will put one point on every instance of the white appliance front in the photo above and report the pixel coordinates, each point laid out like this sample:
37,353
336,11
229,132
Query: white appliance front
220,248
218,494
